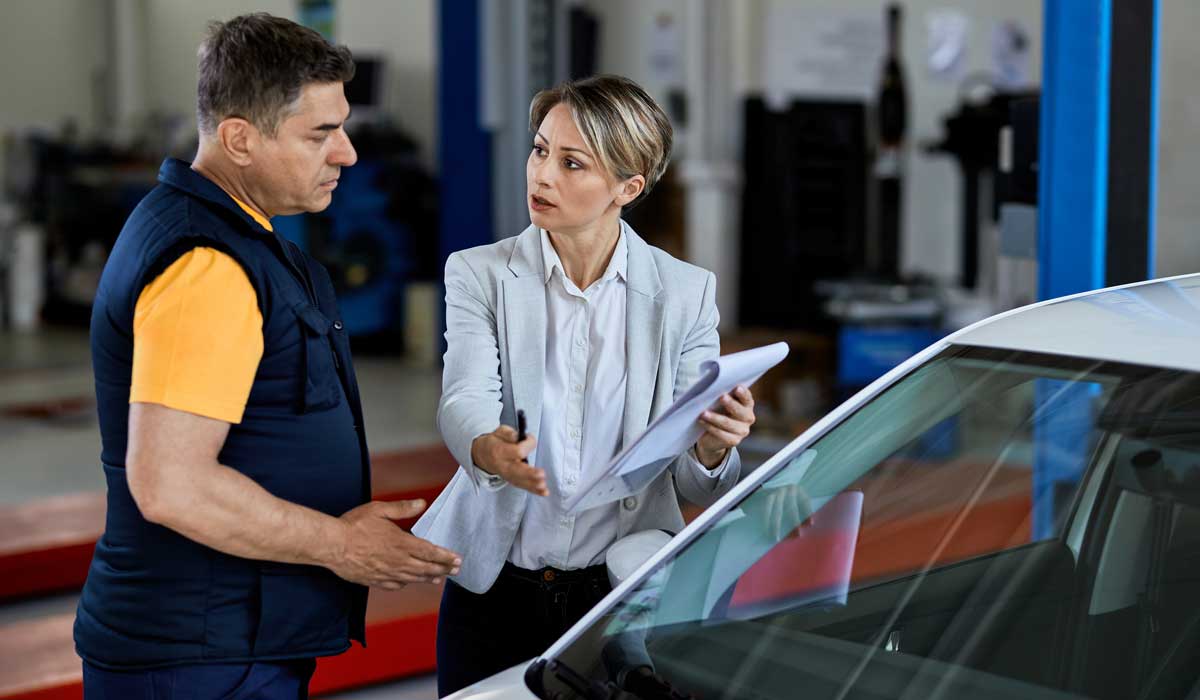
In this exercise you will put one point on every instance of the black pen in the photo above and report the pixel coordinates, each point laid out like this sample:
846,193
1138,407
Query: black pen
521,428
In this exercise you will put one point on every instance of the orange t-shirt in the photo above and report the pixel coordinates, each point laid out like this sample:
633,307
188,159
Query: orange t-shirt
197,335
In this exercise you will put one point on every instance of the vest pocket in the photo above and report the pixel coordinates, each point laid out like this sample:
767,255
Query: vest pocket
302,609
321,386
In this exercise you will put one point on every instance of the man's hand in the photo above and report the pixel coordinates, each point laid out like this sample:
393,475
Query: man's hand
499,453
378,553
726,427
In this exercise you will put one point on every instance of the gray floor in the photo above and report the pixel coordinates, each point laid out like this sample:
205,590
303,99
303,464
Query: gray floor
42,457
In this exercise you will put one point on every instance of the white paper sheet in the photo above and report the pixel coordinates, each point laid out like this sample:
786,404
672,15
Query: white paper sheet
676,429
820,52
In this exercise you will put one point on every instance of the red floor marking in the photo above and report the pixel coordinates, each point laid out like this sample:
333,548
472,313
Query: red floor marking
46,545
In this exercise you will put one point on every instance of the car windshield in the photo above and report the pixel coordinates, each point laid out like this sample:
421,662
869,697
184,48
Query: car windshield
995,524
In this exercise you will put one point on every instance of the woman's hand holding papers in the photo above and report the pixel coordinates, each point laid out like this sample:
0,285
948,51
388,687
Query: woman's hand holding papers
499,453
725,427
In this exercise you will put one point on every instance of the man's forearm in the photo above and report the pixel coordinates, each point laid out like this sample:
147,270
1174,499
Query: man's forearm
222,508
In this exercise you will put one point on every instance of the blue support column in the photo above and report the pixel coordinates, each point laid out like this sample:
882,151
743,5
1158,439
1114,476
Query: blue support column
1073,180
1099,135
1073,157
464,147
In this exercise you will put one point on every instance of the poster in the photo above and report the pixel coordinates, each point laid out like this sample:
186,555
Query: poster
821,53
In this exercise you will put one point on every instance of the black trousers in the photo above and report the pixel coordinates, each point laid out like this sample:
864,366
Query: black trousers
522,614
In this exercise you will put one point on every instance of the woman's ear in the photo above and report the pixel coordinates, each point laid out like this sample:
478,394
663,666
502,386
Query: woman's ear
629,190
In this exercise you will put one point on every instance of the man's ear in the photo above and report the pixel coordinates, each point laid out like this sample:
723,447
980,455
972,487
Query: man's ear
238,138
629,190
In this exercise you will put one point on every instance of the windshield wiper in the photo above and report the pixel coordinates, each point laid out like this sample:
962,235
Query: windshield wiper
587,688
646,684
641,683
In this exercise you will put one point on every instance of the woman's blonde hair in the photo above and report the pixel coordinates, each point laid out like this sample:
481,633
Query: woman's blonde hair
619,122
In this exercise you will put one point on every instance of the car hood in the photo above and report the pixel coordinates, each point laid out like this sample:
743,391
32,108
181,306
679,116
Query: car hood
506,685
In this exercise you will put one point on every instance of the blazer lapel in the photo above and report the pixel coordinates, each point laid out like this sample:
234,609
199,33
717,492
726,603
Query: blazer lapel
525,325
644,320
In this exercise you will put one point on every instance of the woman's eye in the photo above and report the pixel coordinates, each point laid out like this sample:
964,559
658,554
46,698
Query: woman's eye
539,150
571,165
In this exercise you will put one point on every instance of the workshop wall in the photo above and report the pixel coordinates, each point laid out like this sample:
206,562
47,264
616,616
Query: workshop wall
1178,213
933,184
53,54
403,33
64,40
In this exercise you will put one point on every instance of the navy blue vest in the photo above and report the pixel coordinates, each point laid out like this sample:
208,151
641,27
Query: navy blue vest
154,597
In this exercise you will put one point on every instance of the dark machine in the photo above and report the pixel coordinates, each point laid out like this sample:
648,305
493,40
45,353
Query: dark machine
79,194
972,137
804,208
381,230
821,217
379,233
893,126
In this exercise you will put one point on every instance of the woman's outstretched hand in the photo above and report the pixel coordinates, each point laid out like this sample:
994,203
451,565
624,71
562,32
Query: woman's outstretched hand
499,453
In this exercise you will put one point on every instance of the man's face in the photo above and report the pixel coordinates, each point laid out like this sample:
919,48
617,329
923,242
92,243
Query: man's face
298,169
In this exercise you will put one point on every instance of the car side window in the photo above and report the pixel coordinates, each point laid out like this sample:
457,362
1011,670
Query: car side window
1142,568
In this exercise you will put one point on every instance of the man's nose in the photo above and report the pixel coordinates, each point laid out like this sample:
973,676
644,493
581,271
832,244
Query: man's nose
343,154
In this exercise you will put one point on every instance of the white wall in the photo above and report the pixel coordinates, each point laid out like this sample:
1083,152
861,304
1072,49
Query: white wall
52,52
173,32
623,45
402,32
1178,229
55,53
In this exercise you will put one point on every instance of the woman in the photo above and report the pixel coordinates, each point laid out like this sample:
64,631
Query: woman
592,333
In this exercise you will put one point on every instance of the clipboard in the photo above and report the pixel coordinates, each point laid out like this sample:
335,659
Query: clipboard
675,430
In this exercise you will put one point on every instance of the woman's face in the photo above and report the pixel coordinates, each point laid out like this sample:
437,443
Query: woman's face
568,189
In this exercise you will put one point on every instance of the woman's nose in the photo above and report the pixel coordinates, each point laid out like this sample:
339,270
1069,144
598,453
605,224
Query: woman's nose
542,173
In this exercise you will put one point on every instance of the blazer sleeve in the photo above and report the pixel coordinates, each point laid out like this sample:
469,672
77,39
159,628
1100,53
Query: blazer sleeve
471,402
695,482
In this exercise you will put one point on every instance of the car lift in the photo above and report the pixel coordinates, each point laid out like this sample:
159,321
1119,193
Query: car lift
1098,137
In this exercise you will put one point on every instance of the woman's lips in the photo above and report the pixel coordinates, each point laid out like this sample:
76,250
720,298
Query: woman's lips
538,204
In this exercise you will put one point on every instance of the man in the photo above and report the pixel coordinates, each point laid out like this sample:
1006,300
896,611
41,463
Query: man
239,541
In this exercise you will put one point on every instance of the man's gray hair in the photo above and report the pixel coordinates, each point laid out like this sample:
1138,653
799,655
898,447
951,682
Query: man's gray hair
254,67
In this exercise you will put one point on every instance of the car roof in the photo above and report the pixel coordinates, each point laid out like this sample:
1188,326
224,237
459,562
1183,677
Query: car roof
1154,323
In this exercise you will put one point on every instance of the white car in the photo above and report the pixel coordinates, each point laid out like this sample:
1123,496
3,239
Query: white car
1013,513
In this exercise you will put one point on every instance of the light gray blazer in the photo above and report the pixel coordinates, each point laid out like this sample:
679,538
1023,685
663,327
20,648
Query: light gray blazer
495,362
